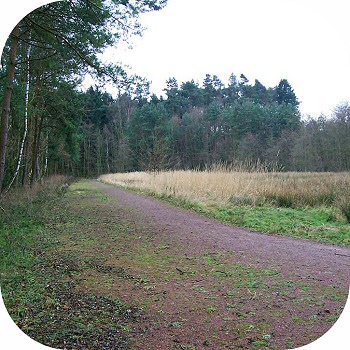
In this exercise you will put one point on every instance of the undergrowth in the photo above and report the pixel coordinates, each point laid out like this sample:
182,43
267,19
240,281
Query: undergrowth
21,223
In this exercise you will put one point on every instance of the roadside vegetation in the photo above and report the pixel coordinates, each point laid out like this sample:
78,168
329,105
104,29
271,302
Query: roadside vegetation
307,205
37,283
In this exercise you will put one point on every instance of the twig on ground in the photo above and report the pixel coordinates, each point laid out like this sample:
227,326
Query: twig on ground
181,272
342,254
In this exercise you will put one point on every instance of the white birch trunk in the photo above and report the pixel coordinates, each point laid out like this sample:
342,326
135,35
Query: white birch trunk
46,154
20,156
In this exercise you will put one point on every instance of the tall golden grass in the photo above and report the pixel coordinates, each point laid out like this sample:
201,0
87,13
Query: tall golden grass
223,185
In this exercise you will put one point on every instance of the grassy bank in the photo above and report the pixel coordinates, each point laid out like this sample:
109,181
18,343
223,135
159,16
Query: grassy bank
37,283
306,205
21,238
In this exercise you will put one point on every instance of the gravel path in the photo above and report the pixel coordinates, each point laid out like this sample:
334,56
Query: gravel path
304,258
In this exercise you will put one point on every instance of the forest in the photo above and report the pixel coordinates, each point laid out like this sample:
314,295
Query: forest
50,125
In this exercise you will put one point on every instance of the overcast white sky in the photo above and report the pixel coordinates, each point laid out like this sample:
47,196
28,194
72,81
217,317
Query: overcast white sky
304,41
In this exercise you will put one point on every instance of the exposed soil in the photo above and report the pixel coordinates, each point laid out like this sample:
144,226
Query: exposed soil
220,287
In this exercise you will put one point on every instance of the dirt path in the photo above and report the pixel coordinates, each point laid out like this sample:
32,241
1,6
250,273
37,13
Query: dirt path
199,284
305,259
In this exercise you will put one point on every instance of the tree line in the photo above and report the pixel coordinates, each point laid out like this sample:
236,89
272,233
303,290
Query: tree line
195,126
50,126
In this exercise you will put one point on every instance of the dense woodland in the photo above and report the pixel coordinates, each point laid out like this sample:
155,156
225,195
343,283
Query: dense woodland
49,125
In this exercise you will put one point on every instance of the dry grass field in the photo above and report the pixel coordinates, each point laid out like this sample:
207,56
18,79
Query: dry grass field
223,186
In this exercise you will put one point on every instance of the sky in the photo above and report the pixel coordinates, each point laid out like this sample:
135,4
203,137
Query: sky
303,41
306,42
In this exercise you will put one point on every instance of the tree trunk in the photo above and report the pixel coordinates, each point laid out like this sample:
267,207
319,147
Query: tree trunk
37,122
20,156
25,173
7,103
36,149
46,155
